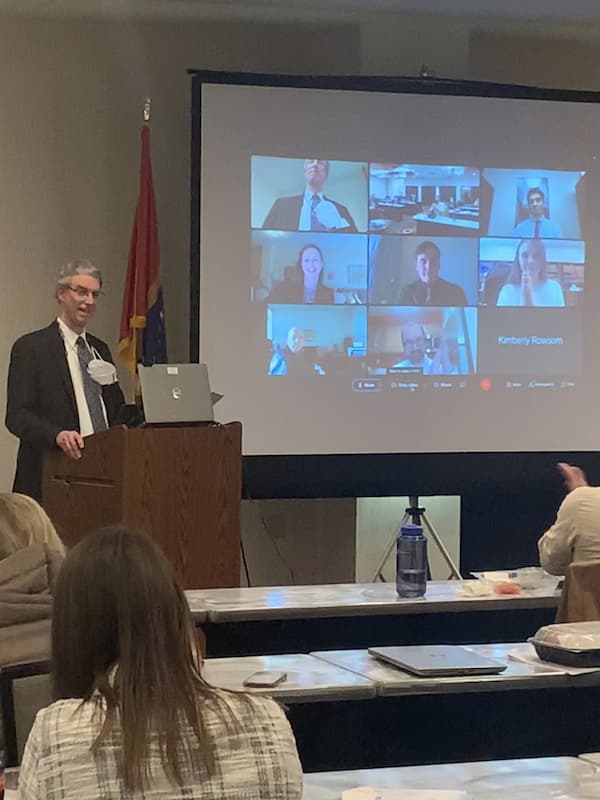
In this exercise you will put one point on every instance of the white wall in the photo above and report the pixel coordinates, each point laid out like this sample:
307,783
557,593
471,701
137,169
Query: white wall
71,94
533,52
299,541
377,520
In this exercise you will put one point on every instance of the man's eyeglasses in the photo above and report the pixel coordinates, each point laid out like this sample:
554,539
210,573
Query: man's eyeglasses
82,292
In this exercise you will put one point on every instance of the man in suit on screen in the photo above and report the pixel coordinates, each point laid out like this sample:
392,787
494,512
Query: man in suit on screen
62,383
311,210
536,224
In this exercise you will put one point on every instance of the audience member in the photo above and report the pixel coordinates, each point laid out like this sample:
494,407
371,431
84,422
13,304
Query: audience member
537,224
133,716
305,284
575,534
527,283
429,289
30,555
311,210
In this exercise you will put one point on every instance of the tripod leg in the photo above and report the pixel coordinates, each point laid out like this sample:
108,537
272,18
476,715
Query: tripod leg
454,571
378,574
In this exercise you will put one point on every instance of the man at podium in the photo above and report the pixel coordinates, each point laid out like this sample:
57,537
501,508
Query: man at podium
62,382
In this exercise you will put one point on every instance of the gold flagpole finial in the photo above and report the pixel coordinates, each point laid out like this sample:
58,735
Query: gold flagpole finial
147,109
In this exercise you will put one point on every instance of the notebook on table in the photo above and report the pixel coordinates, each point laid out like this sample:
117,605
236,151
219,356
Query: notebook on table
437,660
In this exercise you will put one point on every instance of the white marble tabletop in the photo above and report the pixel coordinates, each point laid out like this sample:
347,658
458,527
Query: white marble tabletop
352,599
527,778
197,605
393,681
517,779
308,679
593,758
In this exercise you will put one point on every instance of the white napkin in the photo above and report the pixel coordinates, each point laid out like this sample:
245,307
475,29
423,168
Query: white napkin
328,215
477,588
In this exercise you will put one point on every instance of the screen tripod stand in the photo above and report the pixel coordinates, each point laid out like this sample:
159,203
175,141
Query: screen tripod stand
416,514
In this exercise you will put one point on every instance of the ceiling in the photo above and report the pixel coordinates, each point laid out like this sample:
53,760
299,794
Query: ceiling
572,11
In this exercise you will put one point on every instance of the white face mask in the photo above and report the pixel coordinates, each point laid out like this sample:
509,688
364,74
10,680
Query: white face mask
103,372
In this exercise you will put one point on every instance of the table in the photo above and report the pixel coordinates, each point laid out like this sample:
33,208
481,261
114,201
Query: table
316,693
284,619
425,221
392,682
196,604
540,778
593,758
308,679
526,711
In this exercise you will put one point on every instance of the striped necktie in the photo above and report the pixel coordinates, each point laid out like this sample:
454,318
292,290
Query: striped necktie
92,390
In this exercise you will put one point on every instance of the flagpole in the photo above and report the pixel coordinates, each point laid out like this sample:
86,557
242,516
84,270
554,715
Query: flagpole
146,114
142,313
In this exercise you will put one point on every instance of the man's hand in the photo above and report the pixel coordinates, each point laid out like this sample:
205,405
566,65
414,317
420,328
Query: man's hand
71,443
574,477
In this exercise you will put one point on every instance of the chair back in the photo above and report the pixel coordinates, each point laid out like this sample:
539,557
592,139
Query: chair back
24,690
580,598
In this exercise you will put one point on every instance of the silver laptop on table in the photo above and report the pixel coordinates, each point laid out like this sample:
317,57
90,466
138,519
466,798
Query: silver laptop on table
437,660
176,393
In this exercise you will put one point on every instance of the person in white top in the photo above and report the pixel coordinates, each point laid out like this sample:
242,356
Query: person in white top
527,283
575,535
133,715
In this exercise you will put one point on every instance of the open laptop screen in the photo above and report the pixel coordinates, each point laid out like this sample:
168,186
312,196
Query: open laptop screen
176,393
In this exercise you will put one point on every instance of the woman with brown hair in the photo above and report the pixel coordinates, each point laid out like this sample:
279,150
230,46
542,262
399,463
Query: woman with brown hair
305,283
30,555
133,716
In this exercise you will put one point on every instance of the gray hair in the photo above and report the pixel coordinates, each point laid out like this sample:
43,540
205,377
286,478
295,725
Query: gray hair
80,266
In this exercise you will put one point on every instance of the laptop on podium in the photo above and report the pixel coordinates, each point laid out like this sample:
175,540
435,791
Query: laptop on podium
174,393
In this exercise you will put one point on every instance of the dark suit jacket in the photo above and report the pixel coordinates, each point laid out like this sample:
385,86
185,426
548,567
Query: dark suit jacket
291,291
41,400
285,214
441,293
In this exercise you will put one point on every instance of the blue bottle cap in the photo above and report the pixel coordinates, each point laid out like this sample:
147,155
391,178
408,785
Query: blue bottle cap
410,529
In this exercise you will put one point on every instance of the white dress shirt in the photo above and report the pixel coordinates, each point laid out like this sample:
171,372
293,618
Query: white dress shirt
70,339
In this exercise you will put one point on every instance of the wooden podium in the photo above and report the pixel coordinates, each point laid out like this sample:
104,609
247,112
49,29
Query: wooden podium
182,485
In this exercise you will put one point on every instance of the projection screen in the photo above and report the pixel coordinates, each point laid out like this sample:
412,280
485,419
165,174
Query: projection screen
398,272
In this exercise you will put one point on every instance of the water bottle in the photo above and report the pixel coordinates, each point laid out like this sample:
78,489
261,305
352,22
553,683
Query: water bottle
411,561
